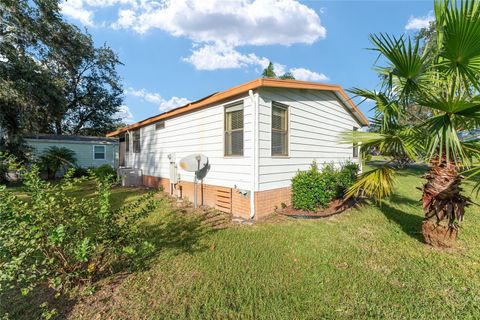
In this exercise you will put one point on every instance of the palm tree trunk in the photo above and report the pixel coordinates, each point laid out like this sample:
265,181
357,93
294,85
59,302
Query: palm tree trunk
443,204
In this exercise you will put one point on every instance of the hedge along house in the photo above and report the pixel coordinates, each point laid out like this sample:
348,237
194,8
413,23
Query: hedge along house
89,151
256,135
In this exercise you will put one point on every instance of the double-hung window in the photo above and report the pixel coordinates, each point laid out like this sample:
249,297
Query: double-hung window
234,130
279,129
99,152
127,142
136,141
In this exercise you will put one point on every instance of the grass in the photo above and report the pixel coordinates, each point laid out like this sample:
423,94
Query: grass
367,263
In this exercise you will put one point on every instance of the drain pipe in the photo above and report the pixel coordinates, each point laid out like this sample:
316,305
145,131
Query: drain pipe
254,154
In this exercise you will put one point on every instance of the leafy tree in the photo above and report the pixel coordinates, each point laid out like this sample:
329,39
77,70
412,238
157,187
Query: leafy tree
55,238
55,158
444,80
52,77
269,72
287,76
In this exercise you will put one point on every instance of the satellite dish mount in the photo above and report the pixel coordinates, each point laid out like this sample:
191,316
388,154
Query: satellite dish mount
197,163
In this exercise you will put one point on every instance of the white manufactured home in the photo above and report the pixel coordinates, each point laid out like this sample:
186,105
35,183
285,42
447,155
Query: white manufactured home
256,137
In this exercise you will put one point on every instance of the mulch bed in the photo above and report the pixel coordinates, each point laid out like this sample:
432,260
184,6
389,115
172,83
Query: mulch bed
336,206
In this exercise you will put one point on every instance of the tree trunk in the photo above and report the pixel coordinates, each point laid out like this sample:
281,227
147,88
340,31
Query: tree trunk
443,204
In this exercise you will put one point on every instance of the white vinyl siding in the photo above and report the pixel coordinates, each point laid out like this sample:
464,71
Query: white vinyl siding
199,131
316,120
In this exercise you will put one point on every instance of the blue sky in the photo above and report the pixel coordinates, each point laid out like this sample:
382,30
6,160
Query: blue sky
181,50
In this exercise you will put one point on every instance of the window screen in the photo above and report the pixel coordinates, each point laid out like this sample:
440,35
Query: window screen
99,152
127,142
136,141
234,130
279,130
160,125
355,145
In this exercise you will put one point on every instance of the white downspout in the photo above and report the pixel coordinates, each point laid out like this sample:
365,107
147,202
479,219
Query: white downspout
254,154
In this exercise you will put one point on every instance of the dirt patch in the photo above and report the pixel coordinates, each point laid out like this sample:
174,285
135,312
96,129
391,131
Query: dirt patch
335,207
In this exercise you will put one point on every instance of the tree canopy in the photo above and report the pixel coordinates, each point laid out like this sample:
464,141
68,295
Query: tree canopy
53,79
269,72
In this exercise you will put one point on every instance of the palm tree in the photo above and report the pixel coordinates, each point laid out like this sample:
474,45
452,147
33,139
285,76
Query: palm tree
55,158
444,79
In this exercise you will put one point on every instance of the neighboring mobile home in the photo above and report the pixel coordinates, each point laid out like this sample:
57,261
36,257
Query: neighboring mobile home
256,136
89,151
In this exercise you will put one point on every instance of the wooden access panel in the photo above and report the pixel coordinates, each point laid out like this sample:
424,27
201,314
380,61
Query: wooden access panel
223,199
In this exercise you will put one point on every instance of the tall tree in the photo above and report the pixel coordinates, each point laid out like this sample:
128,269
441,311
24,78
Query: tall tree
52,77
444,80
269,72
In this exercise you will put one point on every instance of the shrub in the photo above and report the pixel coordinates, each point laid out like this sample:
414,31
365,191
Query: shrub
58,239
105,171
313,188
346,177
80,172
55,158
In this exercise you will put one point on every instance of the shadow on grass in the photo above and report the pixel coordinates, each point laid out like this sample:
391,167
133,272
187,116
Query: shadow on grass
167,228
14,305
411,224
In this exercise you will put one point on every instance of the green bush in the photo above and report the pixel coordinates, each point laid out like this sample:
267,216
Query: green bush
346,177
80,172
105,171
55,238
55,158
313,188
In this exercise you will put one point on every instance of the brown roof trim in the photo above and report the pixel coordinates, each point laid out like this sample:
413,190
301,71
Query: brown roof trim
254,84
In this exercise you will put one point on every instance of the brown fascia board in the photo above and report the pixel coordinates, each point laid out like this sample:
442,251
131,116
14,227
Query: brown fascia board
251,85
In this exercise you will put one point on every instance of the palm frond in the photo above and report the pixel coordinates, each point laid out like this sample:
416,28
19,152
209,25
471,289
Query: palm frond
460,40
444,140
403,141
406,63
376,184
387,110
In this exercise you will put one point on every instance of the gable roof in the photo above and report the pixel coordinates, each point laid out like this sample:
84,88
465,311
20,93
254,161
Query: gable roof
251,85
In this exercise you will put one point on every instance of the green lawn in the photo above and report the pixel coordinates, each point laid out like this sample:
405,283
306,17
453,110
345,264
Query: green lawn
367,263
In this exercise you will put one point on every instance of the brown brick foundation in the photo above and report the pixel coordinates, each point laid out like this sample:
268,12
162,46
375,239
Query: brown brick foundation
226,199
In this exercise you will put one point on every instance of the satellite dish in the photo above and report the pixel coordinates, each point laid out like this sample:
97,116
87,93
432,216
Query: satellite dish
197,163
194,162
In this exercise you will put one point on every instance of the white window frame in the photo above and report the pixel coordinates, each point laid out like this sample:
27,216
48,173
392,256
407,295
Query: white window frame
104,152
289,114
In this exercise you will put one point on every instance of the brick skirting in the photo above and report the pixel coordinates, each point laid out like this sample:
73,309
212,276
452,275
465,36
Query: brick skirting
265,201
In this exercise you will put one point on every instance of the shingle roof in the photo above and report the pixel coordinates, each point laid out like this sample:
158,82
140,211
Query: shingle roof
70,138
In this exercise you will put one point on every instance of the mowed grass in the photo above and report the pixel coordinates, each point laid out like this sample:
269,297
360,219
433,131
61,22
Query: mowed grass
366,263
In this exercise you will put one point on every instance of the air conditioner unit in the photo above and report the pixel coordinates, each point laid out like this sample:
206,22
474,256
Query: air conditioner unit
130,177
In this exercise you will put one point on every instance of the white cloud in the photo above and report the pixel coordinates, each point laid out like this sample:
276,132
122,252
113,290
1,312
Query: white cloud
151,97
221,56
234,22
417,23
173,103
217,28
308,75
157,99
125,114
75,9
